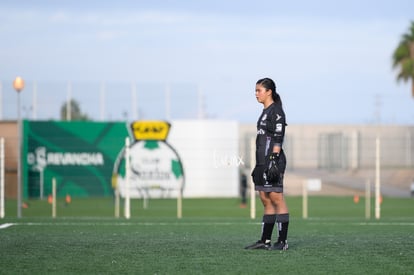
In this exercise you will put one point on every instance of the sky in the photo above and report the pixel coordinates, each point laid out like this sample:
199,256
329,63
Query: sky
331,60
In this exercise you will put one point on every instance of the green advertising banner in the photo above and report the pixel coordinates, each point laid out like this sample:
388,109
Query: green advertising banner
80,155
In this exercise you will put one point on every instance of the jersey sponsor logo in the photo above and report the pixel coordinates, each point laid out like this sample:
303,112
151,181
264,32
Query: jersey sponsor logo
261,132
279,127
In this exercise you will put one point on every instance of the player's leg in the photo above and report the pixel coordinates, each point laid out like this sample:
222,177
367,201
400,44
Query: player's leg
282,218
269,217
268,223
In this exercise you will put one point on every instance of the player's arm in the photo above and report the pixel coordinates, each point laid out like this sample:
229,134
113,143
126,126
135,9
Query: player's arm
278,131
277,149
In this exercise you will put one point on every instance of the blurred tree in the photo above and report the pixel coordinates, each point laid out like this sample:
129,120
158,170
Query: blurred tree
403,57
75,111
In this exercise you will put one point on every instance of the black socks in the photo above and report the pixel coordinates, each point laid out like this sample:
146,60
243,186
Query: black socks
282,226
268,223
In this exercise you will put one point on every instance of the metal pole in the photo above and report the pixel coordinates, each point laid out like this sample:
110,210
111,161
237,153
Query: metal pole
34,103
116,202
134,105
102,102
408,149
305,199
252,190
1,101
354,150
127,209
68,103
41,183
180,200
19,168
53,198
1,177
167,102
18,85
368,199
201,114
377,180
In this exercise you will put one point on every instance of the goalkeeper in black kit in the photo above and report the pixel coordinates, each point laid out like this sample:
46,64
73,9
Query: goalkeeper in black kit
270,167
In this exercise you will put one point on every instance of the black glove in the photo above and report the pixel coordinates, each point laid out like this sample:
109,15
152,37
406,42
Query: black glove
272,169
253,172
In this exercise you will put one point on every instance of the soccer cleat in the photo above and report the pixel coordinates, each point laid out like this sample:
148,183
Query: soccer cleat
259,245
281,245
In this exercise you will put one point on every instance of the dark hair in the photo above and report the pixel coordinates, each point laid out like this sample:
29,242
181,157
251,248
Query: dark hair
269,84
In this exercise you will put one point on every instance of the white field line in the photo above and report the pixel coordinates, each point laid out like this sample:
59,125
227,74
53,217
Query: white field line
122,224
5,225
386,223
366,223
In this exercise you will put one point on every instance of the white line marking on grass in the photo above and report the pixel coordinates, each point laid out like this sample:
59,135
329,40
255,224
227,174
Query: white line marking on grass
387,223
5,225
189,223
127,224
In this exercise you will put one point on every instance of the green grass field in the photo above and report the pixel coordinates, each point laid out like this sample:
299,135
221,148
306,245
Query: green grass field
85,238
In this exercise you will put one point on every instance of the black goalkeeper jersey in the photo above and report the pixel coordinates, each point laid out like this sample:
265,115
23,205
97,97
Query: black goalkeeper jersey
270,131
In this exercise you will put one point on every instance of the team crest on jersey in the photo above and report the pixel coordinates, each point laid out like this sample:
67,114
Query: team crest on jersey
279,127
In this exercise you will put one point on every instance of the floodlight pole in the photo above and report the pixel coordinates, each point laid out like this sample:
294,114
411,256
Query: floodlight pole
18,85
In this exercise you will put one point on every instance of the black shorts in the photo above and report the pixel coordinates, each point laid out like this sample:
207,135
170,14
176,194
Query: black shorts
259,177
260,183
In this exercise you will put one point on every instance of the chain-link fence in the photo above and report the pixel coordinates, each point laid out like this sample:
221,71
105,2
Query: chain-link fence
342,147
113,101
343,151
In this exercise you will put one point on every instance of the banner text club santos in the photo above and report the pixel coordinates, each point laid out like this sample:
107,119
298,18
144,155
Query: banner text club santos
83,156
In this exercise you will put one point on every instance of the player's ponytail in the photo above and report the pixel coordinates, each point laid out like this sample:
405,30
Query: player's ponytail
276,98
269,84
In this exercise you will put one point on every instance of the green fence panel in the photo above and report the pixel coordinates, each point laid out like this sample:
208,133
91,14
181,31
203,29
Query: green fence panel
79,154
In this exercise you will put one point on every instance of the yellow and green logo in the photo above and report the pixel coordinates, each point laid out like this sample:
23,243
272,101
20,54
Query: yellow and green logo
150,130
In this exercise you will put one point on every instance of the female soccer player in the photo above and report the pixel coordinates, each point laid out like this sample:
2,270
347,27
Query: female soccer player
270,166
